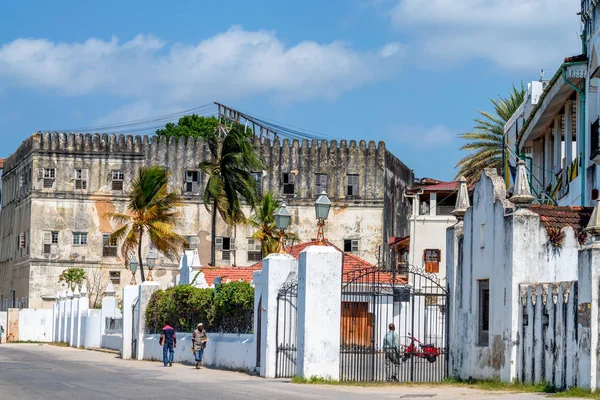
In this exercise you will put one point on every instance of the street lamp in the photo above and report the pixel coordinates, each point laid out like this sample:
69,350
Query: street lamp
322,206
282,221
133,265
151,262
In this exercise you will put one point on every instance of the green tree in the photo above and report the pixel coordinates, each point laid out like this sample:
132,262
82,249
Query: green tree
152,210
72,277
190,125
233,159
485,140
263,220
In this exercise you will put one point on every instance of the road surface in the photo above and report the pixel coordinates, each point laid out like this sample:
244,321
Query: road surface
30,371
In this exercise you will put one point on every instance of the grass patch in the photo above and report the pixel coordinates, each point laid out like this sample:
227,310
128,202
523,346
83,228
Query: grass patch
494,385
577,393
59,344
27,342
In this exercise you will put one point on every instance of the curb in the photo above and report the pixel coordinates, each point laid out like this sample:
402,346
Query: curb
109,351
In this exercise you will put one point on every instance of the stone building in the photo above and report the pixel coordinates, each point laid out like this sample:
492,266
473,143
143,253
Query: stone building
60,188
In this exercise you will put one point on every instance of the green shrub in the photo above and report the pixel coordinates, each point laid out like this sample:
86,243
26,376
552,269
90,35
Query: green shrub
228,309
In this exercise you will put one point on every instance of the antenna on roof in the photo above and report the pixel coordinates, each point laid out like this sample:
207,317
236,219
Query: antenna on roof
541,75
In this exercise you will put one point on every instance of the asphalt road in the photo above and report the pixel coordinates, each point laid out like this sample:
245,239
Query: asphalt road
29,371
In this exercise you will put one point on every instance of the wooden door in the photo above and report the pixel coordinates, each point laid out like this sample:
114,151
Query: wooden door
356,324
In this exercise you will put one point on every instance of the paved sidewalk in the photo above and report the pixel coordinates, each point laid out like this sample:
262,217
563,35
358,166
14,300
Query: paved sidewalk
29,371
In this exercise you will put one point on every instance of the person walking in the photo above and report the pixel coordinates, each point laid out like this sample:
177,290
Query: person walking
168,340
199,339
390,347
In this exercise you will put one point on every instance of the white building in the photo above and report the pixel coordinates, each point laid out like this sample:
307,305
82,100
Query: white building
556,129
431,214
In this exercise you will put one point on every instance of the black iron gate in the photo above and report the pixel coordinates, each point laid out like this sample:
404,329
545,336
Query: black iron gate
287,318
411,299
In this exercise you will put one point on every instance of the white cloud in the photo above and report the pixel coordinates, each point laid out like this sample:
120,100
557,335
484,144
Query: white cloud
513,34
233,64
420,137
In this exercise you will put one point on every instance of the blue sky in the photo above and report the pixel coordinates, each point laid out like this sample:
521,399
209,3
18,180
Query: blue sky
409,72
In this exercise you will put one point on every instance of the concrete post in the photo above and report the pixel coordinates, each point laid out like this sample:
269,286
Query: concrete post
277,268
319,312
75,317
130,294
145,292
109,306
84,306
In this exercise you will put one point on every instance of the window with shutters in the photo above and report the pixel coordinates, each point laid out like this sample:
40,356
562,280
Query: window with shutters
191,242
116,180
351,185
254,250
483,312
79,238
351,245
320,183
81,179
47,175
431,258
50,242
109,246
288,181
226,245
191,183
258,176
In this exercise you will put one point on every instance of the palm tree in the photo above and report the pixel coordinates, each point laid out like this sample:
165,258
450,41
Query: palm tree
152,209
233,159
485,141
264,221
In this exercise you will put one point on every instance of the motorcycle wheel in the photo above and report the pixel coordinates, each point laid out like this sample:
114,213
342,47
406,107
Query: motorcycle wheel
431,359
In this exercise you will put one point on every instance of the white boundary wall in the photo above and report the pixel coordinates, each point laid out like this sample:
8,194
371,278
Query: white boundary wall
224,350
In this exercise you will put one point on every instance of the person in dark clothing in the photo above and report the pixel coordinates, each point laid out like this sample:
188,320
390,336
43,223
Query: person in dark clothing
168,340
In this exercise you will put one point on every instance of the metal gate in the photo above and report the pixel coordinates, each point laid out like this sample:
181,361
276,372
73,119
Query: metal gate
286,333
134,327
411,299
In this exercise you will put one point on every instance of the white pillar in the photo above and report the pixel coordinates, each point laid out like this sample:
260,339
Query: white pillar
276,270
557,144
74,317
432,204
568,133
109,306
319,312
130,294
548,158
84,306
145,292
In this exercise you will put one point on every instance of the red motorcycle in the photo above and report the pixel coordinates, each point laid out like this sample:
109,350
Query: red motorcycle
418,349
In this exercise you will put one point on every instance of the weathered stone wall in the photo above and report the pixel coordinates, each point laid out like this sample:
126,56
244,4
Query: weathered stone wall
508,248
30,208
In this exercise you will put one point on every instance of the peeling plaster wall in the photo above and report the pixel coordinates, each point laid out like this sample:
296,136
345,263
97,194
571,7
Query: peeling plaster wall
376,212
508,249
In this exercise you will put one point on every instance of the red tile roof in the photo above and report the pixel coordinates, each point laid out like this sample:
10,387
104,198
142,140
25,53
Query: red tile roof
579,57
1,163
561,217
232,274
351,262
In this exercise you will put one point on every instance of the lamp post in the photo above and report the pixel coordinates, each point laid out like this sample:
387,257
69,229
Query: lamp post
151,262
133,265
282,221
322,206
